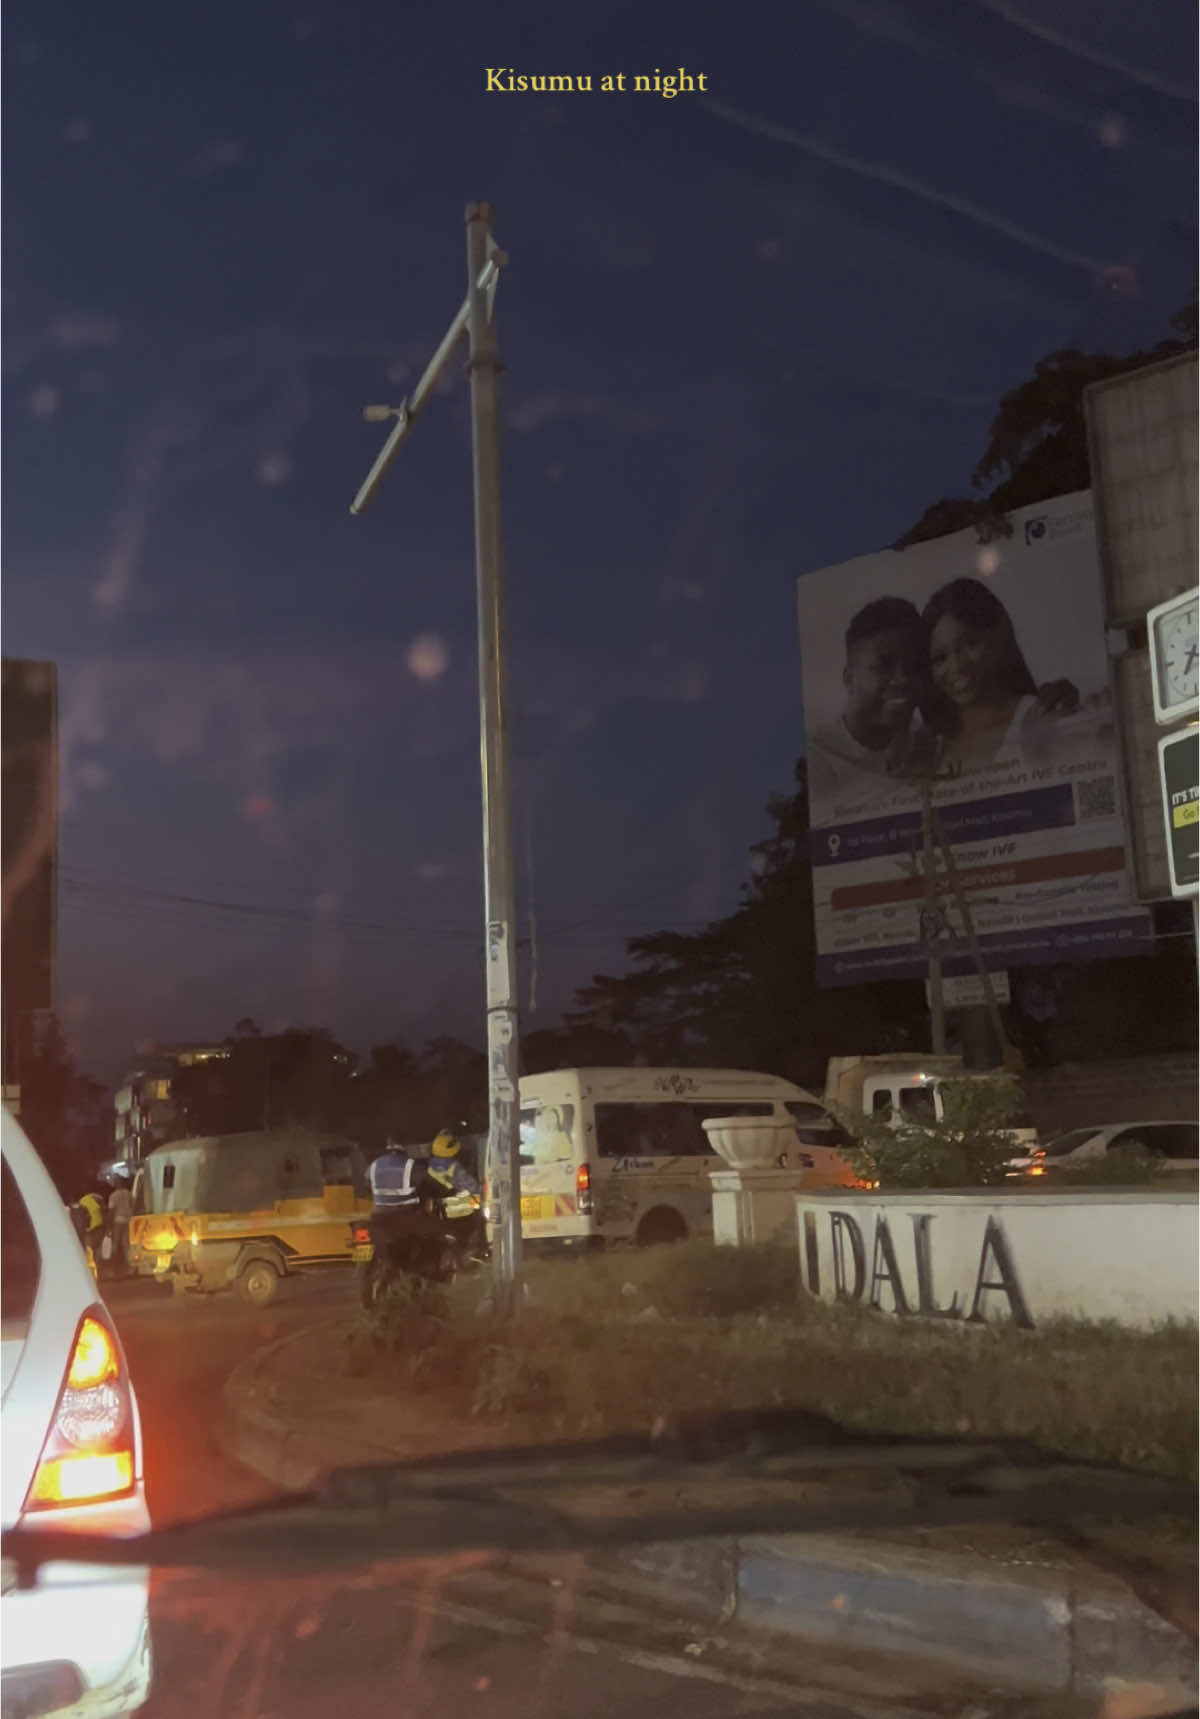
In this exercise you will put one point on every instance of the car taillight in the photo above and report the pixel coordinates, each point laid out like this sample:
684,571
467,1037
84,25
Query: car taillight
88,1454
362,1235
583,1189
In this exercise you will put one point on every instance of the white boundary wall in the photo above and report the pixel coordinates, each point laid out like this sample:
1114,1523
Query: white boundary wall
1023,1257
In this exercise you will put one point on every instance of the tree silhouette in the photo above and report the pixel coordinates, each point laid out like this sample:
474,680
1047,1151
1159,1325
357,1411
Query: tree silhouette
1037,444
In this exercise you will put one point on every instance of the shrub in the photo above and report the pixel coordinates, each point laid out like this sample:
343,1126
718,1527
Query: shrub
968,1148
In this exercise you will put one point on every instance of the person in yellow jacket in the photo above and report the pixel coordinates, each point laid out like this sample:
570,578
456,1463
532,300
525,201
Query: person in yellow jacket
88,1216
446,1168
461,1199
93,1209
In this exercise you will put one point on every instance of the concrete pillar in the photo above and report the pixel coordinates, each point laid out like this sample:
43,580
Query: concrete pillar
759,1205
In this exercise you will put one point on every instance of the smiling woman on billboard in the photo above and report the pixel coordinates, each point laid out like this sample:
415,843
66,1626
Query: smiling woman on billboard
979,693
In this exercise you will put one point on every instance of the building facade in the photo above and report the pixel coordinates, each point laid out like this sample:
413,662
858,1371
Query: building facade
146,1111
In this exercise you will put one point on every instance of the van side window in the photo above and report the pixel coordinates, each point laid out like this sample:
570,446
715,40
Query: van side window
806,1113
814,1124
649,1131
624,1130
666,1130
881,1101
715,1113
168,1177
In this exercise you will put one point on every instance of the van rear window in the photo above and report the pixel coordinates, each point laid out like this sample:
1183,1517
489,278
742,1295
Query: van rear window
547,1133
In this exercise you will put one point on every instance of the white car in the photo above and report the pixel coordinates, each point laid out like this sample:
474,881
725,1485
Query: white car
76,1645
1174,1146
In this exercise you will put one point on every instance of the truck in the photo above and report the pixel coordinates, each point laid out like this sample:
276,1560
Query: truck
906,1087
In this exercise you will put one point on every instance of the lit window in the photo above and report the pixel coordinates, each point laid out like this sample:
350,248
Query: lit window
162,1089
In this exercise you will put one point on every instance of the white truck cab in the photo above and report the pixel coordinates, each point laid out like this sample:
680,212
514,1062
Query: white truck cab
904,1088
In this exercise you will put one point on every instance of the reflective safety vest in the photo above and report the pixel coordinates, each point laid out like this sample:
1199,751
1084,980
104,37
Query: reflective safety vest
453,1176
394,1183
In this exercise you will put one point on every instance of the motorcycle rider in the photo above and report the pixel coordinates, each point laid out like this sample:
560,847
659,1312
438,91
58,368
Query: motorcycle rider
461,1199
408,1195
447,1168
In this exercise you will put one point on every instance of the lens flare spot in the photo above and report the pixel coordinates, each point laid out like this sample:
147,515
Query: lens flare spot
428,657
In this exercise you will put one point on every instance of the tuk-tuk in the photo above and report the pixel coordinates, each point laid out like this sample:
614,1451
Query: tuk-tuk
242,1211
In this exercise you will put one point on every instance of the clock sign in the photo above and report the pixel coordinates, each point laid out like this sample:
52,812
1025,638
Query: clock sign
1175,665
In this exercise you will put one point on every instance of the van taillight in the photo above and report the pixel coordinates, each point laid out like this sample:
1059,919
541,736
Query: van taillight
89,1452
583,1189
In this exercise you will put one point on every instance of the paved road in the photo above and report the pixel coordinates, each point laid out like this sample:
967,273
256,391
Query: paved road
180,1353
400,1643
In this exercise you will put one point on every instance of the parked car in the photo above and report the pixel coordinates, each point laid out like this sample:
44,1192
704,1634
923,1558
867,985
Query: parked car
78,1640
1175,1146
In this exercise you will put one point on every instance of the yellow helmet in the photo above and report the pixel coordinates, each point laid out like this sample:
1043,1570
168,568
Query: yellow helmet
447,1145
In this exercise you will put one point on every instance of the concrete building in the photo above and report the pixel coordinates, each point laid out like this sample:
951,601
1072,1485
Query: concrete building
146,1114
29,838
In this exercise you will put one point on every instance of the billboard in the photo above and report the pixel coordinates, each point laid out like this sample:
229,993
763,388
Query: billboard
983,668
1142,450
29,837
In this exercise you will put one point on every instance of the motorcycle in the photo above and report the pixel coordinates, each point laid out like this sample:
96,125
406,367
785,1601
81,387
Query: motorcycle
381,1253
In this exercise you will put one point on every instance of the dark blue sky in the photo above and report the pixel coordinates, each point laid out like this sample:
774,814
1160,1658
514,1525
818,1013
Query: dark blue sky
746,336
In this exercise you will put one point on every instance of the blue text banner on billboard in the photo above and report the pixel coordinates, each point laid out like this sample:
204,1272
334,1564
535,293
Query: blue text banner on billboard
980,669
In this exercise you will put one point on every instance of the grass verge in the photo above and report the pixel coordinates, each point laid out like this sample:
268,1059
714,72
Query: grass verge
625,1342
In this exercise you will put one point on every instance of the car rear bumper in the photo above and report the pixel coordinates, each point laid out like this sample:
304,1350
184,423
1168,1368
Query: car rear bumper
89,1618
78,1645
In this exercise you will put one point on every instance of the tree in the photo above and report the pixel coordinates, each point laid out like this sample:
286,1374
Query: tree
451,1087
1037,445
581,1046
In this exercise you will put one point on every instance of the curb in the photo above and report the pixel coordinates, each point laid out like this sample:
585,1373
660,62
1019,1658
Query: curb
251,1434
1032,1631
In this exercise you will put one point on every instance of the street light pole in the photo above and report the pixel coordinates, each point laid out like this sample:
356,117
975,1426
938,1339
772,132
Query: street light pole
500,917
476,321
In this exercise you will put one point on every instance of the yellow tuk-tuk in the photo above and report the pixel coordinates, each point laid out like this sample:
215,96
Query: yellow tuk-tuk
242,1211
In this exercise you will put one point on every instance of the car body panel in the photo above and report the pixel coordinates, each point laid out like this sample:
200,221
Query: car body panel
92,1618
1090,1144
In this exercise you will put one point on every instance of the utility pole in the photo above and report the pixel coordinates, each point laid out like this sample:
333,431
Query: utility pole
931,921
973,944
476,320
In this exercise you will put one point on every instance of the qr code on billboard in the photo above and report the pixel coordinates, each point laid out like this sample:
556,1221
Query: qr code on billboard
1096,799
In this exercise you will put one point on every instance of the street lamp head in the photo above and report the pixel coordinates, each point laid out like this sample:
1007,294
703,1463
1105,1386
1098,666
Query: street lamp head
378,414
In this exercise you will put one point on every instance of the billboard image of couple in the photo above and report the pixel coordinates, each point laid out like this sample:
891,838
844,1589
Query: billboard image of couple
983,670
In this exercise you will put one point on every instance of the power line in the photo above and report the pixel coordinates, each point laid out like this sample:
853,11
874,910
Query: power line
143,897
